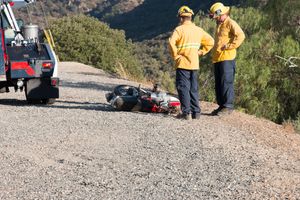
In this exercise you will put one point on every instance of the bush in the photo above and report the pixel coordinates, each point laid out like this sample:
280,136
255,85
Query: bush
87,40
297,123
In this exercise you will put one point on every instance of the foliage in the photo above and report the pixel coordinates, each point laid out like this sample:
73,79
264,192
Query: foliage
157,64
284,16
85,39
265,85
296,123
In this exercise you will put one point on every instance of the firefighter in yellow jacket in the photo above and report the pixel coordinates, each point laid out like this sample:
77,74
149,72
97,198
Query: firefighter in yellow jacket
228,37
187,43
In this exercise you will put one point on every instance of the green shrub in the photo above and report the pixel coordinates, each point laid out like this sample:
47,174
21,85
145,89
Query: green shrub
296,123
87,40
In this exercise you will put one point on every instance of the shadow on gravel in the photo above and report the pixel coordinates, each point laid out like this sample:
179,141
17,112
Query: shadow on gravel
79,105
88,85
13,102
76,102
63,105
208,114
106,75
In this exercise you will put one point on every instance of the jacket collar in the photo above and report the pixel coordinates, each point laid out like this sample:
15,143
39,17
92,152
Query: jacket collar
225,21
187,23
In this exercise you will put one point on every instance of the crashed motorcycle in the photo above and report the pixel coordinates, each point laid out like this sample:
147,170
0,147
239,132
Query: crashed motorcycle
131,98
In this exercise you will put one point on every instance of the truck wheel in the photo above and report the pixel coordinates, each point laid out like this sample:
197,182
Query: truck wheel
48,101
33,101
38,101
30,100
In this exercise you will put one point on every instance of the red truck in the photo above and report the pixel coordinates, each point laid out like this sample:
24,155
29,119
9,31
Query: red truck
26,63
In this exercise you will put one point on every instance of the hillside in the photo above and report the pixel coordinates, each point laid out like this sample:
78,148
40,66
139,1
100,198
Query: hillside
141,19
79,148
154,17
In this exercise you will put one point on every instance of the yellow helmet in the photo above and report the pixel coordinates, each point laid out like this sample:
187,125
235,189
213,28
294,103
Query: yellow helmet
185,11
218,9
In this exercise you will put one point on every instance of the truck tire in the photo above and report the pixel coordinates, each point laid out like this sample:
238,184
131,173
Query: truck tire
41,101
33,101
48,101
30,100
40,91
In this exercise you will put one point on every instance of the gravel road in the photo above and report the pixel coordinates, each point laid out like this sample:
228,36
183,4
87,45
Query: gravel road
79,148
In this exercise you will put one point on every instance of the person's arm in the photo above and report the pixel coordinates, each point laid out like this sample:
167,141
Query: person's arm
207,44
172,44
238,34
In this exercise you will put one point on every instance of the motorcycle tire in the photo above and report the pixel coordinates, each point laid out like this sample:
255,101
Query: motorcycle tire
125,103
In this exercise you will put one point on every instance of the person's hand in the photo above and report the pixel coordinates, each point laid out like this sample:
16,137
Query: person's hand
224,47
177,57
200,53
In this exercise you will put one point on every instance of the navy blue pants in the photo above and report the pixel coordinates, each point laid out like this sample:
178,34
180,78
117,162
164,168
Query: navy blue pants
224,83
187,88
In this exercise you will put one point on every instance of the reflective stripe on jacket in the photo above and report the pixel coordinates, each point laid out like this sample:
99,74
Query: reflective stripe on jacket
187,42
228,33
